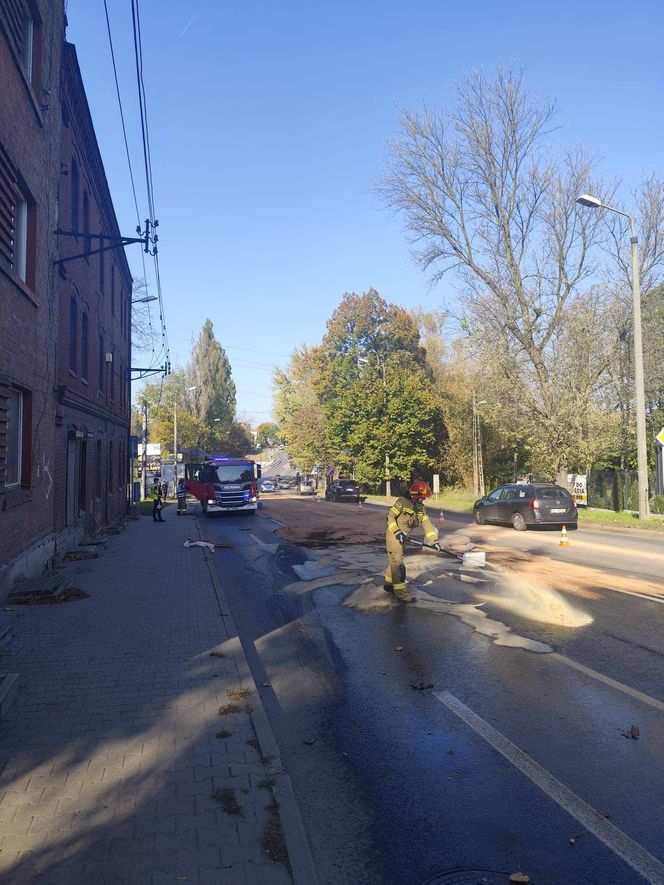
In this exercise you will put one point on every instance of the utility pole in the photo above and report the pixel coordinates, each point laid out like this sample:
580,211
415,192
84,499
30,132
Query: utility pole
144,437
175,445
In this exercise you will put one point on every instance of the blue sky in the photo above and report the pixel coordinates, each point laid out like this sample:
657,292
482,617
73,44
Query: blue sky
268,123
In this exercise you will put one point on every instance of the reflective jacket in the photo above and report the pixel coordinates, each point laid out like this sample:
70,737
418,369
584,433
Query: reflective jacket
405,515
156,492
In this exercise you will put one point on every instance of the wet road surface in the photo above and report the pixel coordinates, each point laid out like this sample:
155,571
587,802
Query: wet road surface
418,745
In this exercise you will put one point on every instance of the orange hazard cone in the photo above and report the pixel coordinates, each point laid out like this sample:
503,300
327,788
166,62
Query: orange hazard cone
564,540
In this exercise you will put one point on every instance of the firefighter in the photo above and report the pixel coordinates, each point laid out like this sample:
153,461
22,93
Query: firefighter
406,514
181,495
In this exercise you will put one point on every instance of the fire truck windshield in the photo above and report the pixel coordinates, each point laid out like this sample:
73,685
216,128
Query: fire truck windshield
224,473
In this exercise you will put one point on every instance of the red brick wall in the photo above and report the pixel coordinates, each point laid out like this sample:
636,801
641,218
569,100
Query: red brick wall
30,123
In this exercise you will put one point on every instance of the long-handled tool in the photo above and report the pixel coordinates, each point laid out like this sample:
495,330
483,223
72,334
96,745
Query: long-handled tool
470,558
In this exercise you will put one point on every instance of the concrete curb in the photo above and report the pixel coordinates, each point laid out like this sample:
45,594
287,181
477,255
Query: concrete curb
299,853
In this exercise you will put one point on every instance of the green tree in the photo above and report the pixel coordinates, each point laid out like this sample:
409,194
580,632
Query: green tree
377,393
209,372
298,409
268,434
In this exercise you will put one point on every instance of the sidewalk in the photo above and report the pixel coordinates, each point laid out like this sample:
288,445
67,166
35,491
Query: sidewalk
137,751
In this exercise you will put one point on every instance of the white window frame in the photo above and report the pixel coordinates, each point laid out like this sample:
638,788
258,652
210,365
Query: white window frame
27,43
21,237
14,439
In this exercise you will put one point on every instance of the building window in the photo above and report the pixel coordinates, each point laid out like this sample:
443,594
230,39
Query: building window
14,458
73,334
85,345
101,364
113,290
75,195
98,471
86,222
102,269
23,32
110,467
17,223
83,476
15,437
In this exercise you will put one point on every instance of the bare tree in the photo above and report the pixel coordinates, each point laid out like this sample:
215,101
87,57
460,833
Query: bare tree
482,197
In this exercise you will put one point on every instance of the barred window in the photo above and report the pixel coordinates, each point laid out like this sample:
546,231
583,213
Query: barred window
23,28
17,222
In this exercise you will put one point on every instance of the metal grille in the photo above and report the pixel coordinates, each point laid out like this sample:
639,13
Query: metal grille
229,498
8,183
12,14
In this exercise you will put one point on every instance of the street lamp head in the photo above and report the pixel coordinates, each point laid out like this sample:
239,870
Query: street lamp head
589,201
145,299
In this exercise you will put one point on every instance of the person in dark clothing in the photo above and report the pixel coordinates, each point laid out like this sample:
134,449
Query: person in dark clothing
156,502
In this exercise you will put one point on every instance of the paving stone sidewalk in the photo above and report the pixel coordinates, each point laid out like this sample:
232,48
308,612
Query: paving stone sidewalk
131,753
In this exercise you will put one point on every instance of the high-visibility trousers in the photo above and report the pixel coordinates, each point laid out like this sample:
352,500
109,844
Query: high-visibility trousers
395,575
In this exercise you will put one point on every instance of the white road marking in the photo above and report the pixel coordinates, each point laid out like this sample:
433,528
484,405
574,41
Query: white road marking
258,540
594,674
620,843
634,593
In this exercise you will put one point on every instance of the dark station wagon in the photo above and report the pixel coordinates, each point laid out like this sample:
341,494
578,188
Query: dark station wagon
343,490
527,504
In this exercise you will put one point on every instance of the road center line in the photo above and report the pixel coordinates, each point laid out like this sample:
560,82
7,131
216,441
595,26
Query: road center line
620,843
594,674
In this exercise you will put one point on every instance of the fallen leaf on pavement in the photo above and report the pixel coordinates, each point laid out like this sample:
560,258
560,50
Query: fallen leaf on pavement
519,877
633,733
398,647
421,686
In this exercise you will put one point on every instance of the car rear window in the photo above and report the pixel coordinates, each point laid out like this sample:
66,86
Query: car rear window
553,492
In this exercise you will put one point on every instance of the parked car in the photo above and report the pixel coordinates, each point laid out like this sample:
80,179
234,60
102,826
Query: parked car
306,487
343,490
268,485
287,484
527,504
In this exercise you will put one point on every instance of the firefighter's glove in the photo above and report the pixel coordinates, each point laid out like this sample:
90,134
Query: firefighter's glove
401,538
437,547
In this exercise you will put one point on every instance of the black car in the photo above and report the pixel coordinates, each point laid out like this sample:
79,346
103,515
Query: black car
343,490
527,504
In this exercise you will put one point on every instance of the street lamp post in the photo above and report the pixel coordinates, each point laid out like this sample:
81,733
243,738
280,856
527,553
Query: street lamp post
641,446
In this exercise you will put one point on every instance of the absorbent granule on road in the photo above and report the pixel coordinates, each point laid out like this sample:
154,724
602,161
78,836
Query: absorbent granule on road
529,598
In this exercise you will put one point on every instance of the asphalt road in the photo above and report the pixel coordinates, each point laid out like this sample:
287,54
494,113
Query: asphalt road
442,737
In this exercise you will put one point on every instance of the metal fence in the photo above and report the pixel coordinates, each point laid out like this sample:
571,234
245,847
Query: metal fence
613,489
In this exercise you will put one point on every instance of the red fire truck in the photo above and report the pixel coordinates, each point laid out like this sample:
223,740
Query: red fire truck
224,484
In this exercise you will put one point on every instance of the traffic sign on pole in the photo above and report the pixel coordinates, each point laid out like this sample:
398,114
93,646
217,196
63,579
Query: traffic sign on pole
660,437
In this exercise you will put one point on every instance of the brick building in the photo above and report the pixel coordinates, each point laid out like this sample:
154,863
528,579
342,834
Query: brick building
64,327
94,295
30,122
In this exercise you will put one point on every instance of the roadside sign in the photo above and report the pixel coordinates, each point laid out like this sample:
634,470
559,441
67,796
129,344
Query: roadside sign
436,483
660,437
